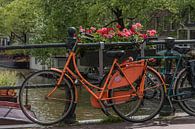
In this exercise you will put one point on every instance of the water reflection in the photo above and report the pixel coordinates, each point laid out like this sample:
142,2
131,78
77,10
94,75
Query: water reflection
36,98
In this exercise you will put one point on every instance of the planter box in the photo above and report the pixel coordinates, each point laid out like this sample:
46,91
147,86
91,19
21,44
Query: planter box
91,58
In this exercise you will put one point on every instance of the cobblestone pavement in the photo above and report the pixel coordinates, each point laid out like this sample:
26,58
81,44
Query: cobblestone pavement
174,122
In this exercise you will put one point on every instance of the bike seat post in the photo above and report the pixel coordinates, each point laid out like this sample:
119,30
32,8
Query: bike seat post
142,49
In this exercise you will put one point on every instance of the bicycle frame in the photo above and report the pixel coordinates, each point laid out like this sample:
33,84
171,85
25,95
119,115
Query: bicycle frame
178,65
109,83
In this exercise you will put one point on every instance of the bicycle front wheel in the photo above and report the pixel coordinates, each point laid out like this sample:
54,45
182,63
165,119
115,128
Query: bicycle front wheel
36,104
140,110
185,92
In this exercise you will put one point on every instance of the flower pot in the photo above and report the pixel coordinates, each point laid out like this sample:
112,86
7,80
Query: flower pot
91,58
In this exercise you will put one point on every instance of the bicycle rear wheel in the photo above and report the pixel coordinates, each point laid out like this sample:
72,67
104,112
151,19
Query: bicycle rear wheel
42,109
140,110
185,93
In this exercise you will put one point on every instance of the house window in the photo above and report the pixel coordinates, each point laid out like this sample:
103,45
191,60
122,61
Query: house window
36,61
166,23
183,34
193,17
173,25
192,34
157,21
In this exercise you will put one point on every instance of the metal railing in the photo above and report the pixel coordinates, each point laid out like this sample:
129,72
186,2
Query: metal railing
100,46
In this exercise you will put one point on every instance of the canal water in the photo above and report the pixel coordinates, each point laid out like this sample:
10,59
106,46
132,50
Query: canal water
84,110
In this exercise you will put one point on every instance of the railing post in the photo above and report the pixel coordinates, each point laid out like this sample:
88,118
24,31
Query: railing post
101,60
142,49
167,106
71,117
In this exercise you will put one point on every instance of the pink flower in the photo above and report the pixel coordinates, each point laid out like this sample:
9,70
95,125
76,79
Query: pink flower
125,30
108,36
89,31
138,25
118,26
93,28
127,33
120,34
81,29
151,32
104,30
133,27
144,36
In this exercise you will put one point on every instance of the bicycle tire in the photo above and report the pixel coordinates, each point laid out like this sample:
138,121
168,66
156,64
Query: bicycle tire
183,91
46,110
154,90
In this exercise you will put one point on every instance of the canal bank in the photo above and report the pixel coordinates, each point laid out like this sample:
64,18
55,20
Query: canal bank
86,114
179,121
84,111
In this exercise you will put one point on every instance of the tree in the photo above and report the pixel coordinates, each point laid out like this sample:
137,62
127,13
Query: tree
49,19
19,16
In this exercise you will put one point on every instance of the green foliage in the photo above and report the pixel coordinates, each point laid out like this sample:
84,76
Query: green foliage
47,20
19,16
8,78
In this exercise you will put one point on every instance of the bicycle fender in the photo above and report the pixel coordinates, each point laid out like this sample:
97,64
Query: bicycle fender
158,74
70,80
176,79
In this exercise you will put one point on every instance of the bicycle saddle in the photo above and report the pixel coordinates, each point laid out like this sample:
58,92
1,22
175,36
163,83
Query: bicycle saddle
115,54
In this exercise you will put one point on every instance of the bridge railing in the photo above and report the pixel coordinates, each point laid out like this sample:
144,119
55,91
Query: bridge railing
98,45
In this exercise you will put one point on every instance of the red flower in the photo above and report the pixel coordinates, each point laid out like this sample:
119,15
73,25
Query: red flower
108,36
104,30
81,29
127,33
120,34
89,31
118,26
138,25
151,32
93,28
144,36
133,27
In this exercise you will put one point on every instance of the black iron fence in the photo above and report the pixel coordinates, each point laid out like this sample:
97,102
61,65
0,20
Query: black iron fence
99,46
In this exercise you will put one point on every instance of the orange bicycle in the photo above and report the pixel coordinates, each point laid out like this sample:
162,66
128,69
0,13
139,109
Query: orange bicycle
134,90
